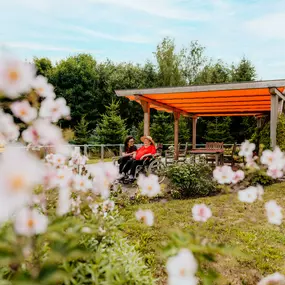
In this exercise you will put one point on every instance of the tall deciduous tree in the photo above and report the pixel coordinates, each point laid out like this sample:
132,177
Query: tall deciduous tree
43,65
112,128
76,79
168,62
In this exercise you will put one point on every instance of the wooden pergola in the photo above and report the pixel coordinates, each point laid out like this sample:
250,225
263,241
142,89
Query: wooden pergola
257,99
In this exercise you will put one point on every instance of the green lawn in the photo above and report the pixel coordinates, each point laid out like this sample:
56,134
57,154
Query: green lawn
241,225
96,160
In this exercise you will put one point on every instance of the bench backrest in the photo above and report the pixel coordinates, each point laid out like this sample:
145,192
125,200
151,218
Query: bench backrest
214,145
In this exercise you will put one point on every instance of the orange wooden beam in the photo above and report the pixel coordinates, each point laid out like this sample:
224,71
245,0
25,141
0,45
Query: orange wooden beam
228,114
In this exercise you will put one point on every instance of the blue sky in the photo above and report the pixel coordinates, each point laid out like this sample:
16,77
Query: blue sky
129,30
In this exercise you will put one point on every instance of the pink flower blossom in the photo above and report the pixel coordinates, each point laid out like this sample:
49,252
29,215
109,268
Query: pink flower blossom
201,213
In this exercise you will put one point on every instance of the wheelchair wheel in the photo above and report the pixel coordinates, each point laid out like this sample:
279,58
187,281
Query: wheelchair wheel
157,167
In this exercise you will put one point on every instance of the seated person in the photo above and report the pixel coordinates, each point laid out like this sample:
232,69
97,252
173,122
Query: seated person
138,158
129,151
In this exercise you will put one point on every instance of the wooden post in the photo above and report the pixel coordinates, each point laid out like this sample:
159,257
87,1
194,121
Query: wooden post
146,110
194,124
176,135
102,152
273,119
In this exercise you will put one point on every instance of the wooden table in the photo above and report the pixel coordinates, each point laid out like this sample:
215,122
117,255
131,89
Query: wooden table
218,153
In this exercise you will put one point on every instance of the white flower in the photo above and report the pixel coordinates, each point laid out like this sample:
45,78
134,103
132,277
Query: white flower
58,159
16,76
224,174
103,175
273,159
260,192
54,109
9,131
275,173
149,185
19,171
246,149
94,208
42,87
111,171
44,133
75,205
201,213
82,183
274,213
249,195
86,230
108,206
29,222
146,216
250,162
182,267
275,278
64,201
238,176
24,111
64,177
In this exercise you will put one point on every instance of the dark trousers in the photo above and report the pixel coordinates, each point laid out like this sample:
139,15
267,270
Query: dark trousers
123,161
132,165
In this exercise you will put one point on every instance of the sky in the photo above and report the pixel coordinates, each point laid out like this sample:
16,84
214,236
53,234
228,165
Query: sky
129,30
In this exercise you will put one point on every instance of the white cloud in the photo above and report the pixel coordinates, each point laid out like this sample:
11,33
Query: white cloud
161,8
120,38
270,26
43,47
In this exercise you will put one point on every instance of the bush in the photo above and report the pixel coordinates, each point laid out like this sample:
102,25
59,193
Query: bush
191,180
257,176
109,264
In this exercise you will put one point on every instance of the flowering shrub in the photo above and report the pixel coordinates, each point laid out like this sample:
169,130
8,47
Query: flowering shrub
191,180
59,224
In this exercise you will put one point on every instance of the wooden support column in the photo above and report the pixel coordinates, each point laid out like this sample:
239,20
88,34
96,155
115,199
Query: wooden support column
176,135
273,119
194,132
146,110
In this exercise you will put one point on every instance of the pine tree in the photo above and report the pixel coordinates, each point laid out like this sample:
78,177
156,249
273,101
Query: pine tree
184,130
82,134
112,128
219,130
162,128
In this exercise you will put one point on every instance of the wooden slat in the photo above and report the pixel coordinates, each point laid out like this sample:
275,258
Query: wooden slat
214,104
252,99
228,114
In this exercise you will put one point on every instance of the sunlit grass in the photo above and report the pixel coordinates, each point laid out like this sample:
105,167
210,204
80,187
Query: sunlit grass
237,224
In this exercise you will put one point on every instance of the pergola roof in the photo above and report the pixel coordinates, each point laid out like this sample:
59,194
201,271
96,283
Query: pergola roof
233,99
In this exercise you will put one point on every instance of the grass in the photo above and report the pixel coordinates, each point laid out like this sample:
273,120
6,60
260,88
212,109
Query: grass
96,160
243,226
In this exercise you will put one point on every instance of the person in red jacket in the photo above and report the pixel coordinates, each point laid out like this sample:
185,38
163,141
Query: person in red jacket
147,149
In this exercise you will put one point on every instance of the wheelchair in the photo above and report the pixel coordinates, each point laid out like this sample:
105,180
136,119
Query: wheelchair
152,164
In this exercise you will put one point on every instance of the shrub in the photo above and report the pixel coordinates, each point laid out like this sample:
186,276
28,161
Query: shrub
257,176
191,180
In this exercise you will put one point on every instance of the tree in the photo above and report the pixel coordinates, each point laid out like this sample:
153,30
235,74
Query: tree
192,61
43,65
82,132
76,79
112,128
169,73
162,128
244,71
219,130
184,130
139,131
214,73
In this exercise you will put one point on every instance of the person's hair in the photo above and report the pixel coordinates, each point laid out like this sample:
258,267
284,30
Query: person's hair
127,141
